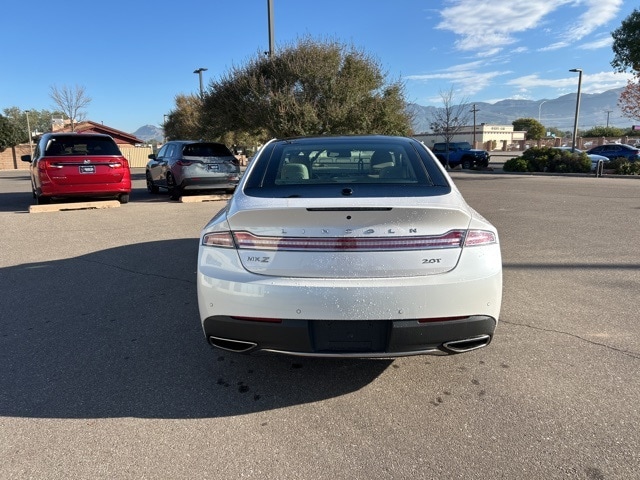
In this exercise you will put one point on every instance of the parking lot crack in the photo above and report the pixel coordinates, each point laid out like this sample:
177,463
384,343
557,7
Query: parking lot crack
137,272
549,330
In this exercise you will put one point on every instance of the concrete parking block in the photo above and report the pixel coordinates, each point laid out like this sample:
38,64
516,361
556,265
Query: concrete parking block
204,198
61,207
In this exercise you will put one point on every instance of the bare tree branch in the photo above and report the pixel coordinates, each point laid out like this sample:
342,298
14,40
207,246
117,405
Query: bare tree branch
71,101
451,118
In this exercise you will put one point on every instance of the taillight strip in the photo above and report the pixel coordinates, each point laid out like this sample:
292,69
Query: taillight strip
249,241
246,240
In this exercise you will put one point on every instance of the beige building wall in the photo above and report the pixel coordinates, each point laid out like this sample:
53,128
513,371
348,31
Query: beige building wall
487,137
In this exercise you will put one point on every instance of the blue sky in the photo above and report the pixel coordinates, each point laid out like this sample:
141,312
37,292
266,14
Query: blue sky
134,57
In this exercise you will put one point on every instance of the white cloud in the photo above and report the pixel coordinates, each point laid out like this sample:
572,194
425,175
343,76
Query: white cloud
591,83
465,77
596,44
487,26
595,14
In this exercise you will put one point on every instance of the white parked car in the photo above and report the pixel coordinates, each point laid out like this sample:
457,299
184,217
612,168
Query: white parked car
595,159
348,246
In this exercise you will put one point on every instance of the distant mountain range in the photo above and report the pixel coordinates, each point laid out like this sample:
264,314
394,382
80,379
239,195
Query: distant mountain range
149,132
559,112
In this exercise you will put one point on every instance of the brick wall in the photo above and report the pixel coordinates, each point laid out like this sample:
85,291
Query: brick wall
10,158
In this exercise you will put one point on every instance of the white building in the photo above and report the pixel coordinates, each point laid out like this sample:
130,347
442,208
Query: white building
487,137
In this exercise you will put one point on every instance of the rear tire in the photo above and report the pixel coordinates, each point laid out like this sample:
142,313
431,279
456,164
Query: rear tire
123,198
151,187
175,192
43,200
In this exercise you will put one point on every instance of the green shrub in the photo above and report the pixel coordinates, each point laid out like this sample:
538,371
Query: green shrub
548,159
622,166
517,164
568,162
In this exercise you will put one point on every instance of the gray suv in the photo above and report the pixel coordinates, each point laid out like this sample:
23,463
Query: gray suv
191,165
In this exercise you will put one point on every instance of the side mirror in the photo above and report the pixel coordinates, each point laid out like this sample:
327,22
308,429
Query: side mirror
152,156
26,158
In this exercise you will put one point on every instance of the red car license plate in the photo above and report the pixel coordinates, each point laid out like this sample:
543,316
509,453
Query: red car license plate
87,169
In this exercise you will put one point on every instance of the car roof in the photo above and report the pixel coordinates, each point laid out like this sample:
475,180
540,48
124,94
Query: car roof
75,134
335,139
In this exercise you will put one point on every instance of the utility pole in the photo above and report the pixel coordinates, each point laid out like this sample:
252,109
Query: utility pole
474,110
29,132
575,123
608,112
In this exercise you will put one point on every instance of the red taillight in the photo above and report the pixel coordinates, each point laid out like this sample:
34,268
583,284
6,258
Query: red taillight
218,239
184,163
479,237
47,164
249,241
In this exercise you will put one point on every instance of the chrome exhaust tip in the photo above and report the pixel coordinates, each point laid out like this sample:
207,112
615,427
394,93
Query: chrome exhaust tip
236,346
467,344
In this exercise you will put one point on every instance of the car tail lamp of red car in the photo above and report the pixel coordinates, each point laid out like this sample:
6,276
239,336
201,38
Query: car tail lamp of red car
47,164
451,239
119,164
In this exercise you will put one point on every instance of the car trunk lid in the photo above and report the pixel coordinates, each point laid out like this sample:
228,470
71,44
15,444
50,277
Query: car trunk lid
358,241
84,170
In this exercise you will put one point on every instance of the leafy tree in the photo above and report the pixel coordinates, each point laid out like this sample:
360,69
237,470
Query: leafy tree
9,134
629,101
535,130
603,132
39,120
555,131
309,88
450,119
626,47
183,122
71,102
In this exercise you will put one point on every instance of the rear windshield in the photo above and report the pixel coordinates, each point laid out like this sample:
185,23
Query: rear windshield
306,166
81,145
206,150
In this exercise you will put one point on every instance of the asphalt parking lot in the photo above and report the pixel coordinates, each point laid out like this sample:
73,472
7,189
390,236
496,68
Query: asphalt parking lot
105,372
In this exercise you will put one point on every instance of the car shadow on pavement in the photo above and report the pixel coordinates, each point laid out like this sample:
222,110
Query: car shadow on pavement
116,333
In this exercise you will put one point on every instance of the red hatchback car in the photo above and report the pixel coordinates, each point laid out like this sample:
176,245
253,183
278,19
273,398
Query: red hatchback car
78,165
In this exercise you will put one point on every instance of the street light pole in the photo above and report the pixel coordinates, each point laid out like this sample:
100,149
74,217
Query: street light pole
271,33
540,109
575,123
199,72
26,112
474,110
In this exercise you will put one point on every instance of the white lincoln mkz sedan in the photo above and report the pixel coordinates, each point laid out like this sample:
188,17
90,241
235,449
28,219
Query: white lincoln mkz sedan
356,246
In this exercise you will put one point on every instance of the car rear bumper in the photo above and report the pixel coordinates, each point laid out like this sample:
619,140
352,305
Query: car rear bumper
228,182
51,190
377,338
